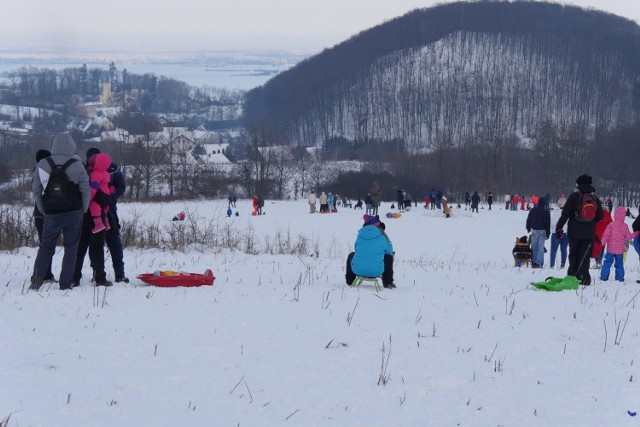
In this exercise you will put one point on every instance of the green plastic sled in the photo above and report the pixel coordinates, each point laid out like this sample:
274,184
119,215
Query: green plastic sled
557,284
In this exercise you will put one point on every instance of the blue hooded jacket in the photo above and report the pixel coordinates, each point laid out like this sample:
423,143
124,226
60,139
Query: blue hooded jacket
370,248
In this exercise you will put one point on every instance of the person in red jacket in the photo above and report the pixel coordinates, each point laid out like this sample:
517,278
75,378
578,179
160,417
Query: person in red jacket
598,248
254,204
514,202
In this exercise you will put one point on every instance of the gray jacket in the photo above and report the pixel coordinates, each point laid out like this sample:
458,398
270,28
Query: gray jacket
63,148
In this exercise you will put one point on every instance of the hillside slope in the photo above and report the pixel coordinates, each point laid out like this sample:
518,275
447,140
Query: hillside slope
461,72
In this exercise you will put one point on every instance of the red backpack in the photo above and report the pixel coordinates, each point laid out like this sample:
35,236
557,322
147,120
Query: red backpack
587,207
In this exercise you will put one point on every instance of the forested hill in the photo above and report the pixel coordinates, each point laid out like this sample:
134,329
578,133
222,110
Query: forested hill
460,73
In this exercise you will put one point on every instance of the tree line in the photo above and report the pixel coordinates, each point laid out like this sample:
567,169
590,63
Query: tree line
499,96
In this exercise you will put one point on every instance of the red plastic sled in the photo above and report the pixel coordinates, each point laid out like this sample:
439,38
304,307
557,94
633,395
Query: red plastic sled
172,279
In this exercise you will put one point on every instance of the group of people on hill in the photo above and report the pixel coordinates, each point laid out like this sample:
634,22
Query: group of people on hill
583,226
78,201
511,202
329,202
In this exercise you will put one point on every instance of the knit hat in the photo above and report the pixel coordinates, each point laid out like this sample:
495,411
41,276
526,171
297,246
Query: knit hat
91,152
583,179
41,154
371,220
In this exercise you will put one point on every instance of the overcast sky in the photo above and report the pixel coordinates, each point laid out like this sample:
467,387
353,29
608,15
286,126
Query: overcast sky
298,25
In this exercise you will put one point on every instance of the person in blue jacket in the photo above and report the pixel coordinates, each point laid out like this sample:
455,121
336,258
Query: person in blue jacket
373,256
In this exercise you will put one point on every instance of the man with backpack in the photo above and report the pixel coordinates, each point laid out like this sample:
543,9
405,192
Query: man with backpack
583,210
60,188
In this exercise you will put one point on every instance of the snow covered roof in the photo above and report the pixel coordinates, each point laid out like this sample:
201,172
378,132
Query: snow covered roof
215,153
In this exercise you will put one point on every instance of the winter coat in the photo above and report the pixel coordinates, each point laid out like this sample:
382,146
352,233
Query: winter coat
539,219
116,183
99,178
370,248
62,149
312,199
507,198
600,227
475,200
323,198
576,229
617,233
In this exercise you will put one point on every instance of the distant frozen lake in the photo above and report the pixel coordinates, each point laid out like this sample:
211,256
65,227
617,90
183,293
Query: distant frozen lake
231,70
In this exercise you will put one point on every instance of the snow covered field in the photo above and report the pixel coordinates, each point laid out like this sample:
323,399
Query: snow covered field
280,340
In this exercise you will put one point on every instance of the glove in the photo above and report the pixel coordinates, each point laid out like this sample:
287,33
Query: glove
547,237
559,233
528,230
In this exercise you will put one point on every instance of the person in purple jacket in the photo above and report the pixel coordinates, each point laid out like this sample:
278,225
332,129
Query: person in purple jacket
373,255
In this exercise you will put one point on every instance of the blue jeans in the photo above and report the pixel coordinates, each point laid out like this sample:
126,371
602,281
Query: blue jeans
606,267
537,246
69,225
563,243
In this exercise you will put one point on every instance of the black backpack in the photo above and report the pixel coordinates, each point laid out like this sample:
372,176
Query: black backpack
61,194
587,208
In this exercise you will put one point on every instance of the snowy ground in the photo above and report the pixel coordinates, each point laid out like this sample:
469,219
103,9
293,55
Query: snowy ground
280,340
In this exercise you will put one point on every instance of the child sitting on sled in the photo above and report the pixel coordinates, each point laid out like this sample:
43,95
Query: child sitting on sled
522,252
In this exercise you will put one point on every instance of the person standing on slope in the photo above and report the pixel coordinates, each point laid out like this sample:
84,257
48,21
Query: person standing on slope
581,231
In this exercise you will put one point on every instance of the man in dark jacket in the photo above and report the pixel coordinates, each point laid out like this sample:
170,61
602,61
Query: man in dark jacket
539,225
67,222
581,234
475,201
112,238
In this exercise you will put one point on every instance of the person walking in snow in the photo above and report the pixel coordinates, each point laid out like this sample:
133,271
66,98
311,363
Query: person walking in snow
490,199
557,241
615,238
581,233
112,238
375,204
67,222
38,217
598,248
368,203
324,206
254,205
312,202
475,201
445,207
514,202
539,225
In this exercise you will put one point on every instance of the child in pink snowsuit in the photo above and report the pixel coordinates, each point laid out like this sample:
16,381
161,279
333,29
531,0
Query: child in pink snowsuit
615,236
99,180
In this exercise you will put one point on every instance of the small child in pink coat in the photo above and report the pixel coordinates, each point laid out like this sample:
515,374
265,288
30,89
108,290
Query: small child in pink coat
99,180
615,237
